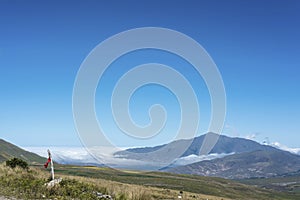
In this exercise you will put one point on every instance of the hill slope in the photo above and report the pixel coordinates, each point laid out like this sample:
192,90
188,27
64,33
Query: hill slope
245,165
8,151
217,187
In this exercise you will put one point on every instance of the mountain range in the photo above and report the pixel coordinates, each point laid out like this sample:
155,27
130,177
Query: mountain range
243,158
232,158
224,145
169,152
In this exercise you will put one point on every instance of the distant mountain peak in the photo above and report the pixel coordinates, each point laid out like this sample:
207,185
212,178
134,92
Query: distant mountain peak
235,152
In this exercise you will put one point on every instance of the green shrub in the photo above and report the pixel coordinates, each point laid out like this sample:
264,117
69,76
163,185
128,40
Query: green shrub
12,163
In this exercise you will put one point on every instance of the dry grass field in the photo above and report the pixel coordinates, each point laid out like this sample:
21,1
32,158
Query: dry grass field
23,184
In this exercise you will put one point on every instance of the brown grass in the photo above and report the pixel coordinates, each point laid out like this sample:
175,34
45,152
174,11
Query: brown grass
33,187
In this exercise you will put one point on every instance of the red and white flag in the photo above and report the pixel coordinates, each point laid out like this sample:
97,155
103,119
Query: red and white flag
49,159
47,163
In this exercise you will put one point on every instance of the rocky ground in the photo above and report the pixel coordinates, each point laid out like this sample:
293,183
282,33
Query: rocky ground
4,198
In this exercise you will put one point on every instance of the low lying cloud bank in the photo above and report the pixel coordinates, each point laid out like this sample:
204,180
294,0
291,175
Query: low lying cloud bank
197,158
66,155
105,156
98,156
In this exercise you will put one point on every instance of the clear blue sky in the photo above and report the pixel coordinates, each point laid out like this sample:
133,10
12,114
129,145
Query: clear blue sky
255,45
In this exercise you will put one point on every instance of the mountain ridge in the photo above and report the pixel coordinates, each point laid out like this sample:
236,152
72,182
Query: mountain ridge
263,160
224,144
256,164
9,150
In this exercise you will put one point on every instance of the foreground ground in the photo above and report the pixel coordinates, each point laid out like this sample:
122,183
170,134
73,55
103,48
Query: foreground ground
86,182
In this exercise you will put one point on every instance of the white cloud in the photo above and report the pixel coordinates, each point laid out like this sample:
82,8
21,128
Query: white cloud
250,137
65,155
100,156
80,156
195,158
285,148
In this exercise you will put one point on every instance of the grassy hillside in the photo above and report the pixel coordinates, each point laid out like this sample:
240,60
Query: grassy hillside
217,187
8,151
85,182
287,183
31,185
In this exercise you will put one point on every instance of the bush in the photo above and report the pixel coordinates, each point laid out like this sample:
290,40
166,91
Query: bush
12,163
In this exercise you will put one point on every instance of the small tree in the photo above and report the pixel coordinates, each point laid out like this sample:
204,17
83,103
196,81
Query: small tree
12,163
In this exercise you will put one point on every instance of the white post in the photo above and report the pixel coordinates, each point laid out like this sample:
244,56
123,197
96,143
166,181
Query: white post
51,163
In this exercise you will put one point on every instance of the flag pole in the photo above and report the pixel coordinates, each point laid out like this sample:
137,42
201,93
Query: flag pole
51,163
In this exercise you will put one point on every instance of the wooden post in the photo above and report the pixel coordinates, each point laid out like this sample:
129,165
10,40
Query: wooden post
51,163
